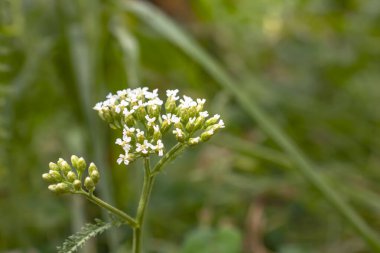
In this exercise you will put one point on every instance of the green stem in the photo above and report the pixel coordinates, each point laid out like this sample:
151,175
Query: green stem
144,199
117,212
173,153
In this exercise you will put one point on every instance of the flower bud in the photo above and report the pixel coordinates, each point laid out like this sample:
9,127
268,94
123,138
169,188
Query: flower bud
77,184
212,121
64,166
95,176
190,125
48,178
62,188
89,184
81,164
205,136
53,166
55,175
52,187
170,105
198,123
74,161
92,168
154,110
71,176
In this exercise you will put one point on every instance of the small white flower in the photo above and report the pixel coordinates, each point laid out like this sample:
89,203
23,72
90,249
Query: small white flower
178,132
123,158
150,120
204,114
201,101
160,148
220,124
98,106
127,112
172,94
139,133
156,128
143,148
151,95
187,102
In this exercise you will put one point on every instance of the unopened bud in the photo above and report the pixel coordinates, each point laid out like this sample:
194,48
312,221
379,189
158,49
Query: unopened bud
74,161
170,105
92,168
64,166
71,176
212,121
89,184
95,176
77,184
53,166
52,187
48,178
81,164
205,136
55,175
62,188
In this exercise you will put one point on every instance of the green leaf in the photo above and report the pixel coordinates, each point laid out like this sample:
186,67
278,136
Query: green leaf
88,231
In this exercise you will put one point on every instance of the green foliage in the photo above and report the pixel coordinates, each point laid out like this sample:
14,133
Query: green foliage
224,239
74,242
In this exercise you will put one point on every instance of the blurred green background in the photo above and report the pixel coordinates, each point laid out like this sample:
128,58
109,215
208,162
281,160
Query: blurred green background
311,66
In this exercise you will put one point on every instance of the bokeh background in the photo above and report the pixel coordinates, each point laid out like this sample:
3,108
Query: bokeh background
311,66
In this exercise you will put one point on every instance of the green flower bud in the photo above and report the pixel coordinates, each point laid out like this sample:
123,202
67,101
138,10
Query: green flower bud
52,187
140,114
77,184
205,136
64,166
62,188
198,123
48,178
212,121
81,164
190,125
157,135
53,166
92,168
74,161
170,105
95,176
89,184
165,126
71,176
55,175
154,110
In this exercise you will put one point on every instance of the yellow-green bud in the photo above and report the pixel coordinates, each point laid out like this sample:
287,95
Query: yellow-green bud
74,161
81,164
140,113
211,121
52,187
64,166
55,175
48,178
77,184
62,188
89,184
198,123
165,126
71,176
53,166
170,105
205,136
154,110
95,176
92,168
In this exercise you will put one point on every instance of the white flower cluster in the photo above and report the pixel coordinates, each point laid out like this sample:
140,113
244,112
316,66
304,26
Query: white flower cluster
140,114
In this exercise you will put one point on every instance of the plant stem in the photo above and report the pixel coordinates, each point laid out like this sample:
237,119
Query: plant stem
144,199
173,153
123,216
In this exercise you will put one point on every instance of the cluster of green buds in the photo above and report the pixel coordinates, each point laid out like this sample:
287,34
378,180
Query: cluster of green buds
65,178
145,119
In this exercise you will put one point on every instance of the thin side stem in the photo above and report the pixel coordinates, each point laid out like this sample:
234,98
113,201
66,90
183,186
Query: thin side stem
123,216
144,199
173,153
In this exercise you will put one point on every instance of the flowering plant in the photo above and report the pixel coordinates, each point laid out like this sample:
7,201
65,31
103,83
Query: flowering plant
144,120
